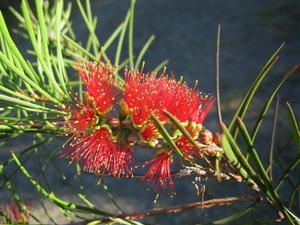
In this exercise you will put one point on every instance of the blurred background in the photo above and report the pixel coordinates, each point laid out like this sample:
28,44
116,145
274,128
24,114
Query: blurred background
185,34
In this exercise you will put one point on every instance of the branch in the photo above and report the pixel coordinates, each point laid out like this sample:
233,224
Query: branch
218,74
179,208
189,206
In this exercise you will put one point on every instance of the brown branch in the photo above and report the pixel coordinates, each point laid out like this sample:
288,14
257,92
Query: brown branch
180,208
189,206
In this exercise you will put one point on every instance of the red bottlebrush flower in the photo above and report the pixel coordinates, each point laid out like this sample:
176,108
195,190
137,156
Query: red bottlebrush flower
123,162
82,118
12,211
147,93
100,83
176,99
206,103
141,95
149,132
159,174
99,153
181,101
186,147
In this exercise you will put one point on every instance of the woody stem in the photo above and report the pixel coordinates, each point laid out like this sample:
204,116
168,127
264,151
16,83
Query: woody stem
180,208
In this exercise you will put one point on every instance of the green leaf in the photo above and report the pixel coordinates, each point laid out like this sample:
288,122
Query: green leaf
89,23
296,218
232,158
26,150
41,51
60,174
125,222
32,81
130,34
112,37
121,38
163,131
43,31
182,129
242,109
94,222
240,157
161,65
143,51
268,103
5,219
17,15
61,73
273,138
109,41
16,94
253,154
80,48
16,196
109,194
264,183
294,125
56,200
287,171
33,106
293,195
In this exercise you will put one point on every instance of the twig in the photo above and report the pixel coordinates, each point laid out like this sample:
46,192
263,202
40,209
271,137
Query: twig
206,172
218,74
180,208
273,136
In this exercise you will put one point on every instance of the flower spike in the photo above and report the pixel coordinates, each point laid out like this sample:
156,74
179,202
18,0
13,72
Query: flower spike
99,153
103,144
159,174
203,109
82,118
141,95
100,83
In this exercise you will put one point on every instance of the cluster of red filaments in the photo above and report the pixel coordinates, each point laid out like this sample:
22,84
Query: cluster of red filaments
103,135
13,214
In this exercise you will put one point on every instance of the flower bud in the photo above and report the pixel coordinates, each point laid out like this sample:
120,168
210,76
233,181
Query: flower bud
217,138
205,136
